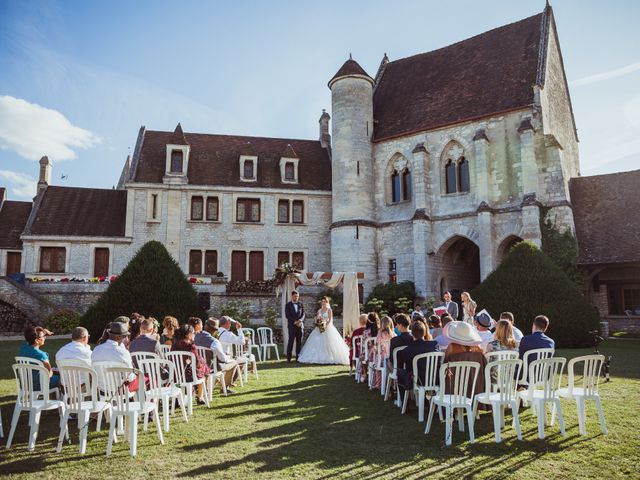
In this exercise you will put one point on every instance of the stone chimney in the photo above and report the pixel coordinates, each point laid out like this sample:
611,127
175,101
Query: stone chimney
45,174
325,137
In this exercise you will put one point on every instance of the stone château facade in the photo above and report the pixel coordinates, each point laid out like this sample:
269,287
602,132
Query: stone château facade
433,169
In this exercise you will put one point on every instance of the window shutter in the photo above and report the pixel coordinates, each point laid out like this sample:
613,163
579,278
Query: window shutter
283,211
283,257
238,266
256,266
297,259
212,209
298,211
196,208
210,262
195,262
101,262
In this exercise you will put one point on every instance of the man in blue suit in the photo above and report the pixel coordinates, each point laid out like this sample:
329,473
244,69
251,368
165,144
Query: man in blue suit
537,339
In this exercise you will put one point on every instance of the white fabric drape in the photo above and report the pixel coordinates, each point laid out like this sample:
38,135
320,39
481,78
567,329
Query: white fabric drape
350,304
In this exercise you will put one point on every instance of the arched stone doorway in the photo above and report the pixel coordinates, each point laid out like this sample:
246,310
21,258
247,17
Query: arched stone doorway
458,266
505,247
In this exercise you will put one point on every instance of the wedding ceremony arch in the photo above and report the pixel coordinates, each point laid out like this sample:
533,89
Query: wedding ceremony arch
349,282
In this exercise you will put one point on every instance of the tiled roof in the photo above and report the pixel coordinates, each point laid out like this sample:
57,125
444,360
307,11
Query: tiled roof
490,73
350,67
70,211
606,212
213,160
13,218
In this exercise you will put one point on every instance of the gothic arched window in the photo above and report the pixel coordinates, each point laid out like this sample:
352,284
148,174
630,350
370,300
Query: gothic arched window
395,187
450,173
406,184
463,175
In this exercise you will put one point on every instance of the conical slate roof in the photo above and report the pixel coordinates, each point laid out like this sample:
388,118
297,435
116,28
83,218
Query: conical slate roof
350,67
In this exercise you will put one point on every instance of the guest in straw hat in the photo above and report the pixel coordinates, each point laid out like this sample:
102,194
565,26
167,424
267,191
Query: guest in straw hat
464,346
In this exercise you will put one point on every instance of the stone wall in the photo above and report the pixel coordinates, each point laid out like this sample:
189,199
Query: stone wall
33,306
12,320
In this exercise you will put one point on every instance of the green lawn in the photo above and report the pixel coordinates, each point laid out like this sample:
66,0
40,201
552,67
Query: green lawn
315,422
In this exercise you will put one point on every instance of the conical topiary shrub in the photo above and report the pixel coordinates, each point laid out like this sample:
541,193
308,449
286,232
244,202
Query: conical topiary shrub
152,284
528,283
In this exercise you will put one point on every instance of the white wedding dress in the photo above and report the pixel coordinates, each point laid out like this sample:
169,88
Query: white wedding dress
326,347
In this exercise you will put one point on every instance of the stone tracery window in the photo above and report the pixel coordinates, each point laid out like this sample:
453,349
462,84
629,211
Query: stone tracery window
456,170
400,178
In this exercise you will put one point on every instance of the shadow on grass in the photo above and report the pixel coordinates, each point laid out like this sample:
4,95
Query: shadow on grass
334,424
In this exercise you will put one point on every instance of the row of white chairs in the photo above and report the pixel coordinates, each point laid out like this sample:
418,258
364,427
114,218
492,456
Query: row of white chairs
539,371
99,390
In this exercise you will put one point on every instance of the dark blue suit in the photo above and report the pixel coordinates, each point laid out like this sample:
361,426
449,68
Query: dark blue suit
533,341
405,362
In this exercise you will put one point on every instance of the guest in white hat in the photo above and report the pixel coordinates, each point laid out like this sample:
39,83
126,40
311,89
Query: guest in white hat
465,346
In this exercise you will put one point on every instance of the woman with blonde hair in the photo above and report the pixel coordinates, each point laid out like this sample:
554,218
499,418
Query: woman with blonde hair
170,325
468,308
502,338
383,339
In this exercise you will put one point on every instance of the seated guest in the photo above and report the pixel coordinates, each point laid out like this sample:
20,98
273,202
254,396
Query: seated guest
35,337
196,323
404,339
483,324
170,325
435,325
134,328
145,342
127,322
405,358
443,341
227,337
502,338
370,330
77,349
156,327
464,346
417,312
362,319
537,339
114,351
209,338
517,333
183,342
383,339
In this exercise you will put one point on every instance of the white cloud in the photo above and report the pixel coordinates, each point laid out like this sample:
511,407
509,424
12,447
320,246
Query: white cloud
600,77
33,131
21,185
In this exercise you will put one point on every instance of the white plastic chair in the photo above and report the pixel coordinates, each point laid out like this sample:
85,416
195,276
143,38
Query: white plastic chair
393,376
127,408
33,361
180,361
381,366
245,359
216,375
502,355
28,399
370,345
505,394
587,389
137,356
544,381
356,345
159,391
252,342
80,383
265,339
463,380
164,349
426,387
537,354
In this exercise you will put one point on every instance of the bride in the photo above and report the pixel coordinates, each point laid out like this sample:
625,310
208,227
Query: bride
326,346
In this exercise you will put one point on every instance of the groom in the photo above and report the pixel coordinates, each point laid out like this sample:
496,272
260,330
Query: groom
294,311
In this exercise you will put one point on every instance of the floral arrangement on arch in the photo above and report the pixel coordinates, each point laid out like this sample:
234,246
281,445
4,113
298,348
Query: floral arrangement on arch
283,271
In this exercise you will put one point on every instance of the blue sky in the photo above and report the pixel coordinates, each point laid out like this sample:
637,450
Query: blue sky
78,79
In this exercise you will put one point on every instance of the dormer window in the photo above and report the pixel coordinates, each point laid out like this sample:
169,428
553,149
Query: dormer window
248,168
289,170
177,159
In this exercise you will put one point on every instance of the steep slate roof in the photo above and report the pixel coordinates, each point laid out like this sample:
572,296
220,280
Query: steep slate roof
490,73
214,160
71,211
606,212
13,218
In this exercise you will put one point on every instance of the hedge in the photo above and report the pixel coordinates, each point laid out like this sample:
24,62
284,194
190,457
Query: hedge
151,284
528,283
